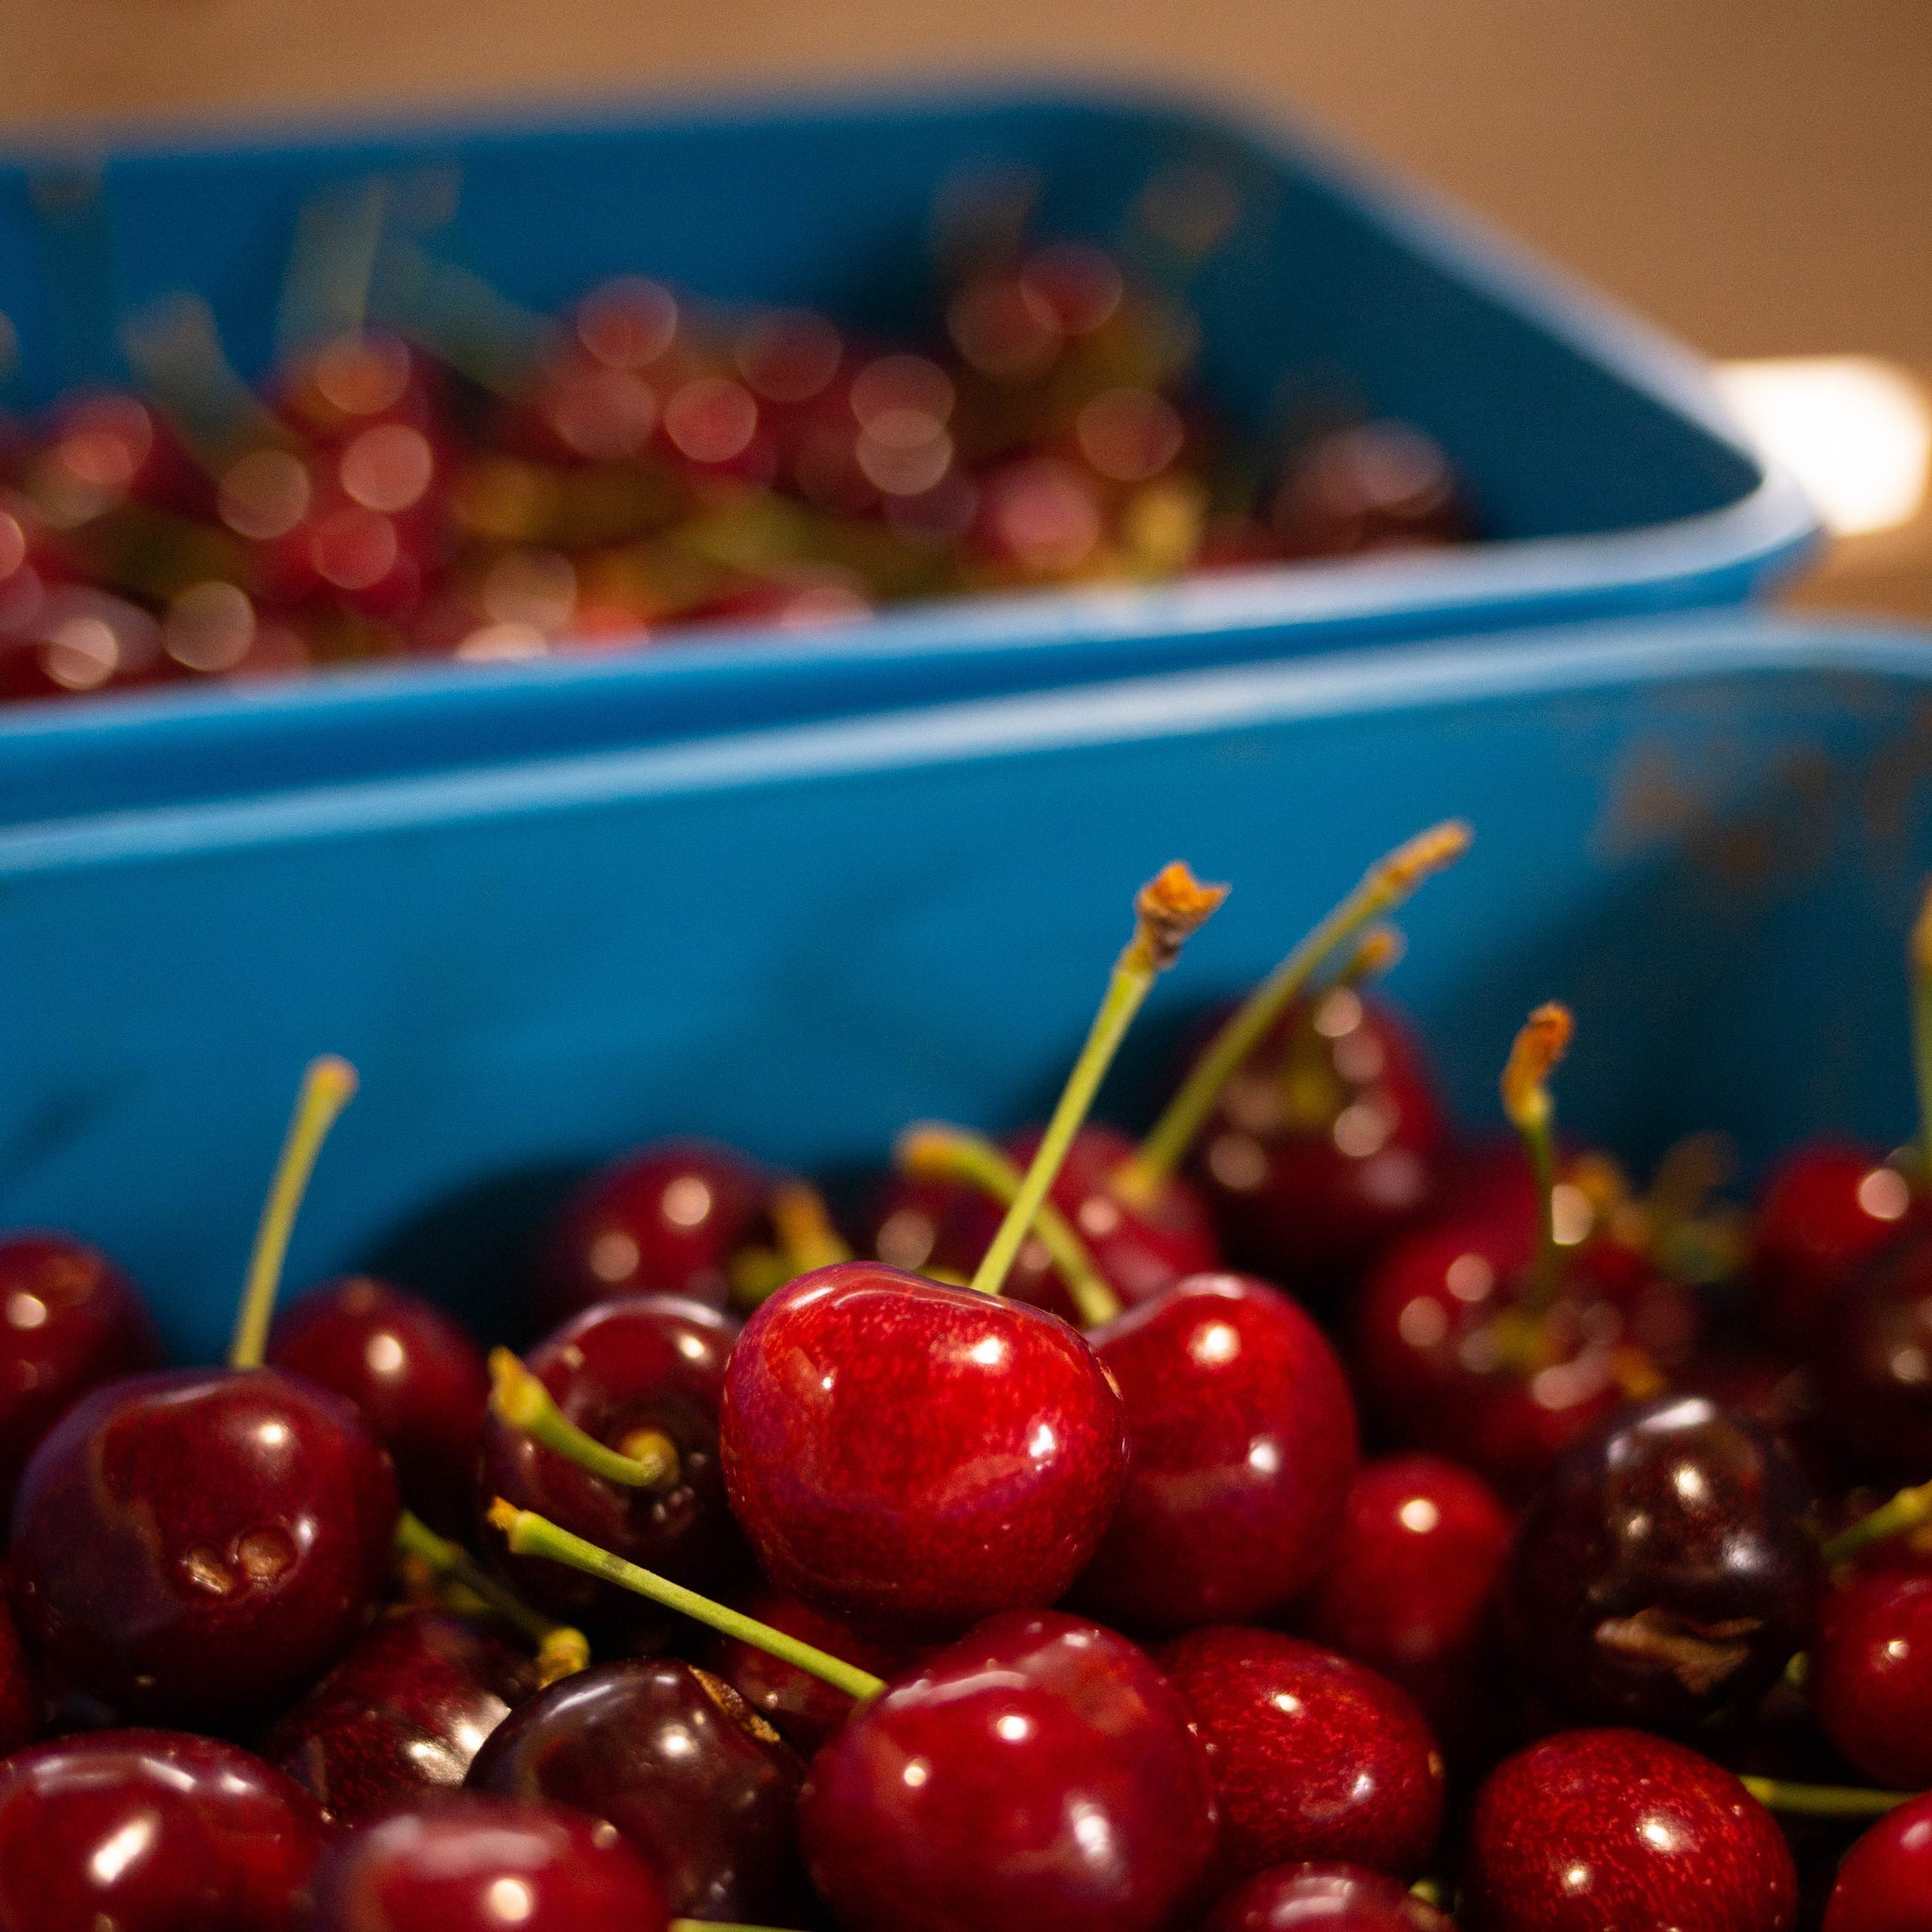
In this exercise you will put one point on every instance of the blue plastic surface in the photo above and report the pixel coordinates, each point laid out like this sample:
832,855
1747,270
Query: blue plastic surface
1598,456
1707,836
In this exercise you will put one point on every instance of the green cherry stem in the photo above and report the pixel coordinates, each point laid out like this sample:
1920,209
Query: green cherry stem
715,1925
648,1459
932,1151
1384,886
1823,1801
1533,1057
1909,1510
530,1534
1922,1032
328,1084
1166,911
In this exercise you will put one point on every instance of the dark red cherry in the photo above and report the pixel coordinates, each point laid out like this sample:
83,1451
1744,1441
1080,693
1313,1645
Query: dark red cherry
1326,1144
202,1543
1313,1757
69,1321
704,1791
19,1697
805,1709
1241,1442
1827,1212
1667,1570
1372,486
151,1831
643,1363
1323,1897
906,1454
1886,1879
1038,1773
1871,1676
665,1220
1411,1588
400,1716
1610,1828
1874,1365
415,1374
477,1864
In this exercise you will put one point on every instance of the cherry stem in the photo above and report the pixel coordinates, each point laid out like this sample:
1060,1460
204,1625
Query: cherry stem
804,1227
1384,886
175,348
934,1151
1922,1032
328,1084
715,1925
1909,1510
1535,1054
530,1534
561,1651
1166,911
325,285
1432,1891
1823,1801
648,1461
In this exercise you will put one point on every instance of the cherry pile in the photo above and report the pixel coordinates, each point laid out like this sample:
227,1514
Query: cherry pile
429,471
1004,1550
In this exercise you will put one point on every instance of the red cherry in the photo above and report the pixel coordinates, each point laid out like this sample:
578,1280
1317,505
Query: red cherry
903,1452
665,1220
1372,486
202,1543
69,1321
1875,1370
1590,1829
1241,1442
1323,1897
1886,1877
477,1864
400,1716
1313,1756
646,1362
1871,1677
414,1375
1037,1772
704,1791
151,1831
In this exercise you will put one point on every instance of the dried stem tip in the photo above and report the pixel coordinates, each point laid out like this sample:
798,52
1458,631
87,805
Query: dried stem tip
1429,851
1170,908
1539,1049
1381,947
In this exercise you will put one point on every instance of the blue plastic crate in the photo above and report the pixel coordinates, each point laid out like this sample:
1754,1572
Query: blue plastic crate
1708,836
1600,459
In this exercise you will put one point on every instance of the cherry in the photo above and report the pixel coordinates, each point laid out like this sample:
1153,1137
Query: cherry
1313,1757
151,1831
1241,1442
402,1714
69,1321
665,1220
704,1790
1874,1366
19,1702
1323,1897
414,1375
477,1864
647,1370
1039,1771
1370,485
1667,1572
1871,1676
1593,1829
1886,1877
1411,1588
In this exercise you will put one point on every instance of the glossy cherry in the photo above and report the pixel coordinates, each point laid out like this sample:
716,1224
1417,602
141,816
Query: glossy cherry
1874,1368
414,1373
477,1864
1039,1771
1616,1828
1326,1897
1871,1676
151,1831
1885,1878
904,1452
665,1220
1313,1756
1241,1442
1667,1570
400,1716
69,1321
641,1362
704,1790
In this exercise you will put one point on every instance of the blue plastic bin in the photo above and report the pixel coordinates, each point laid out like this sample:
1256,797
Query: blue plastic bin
1599,457
1707,834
